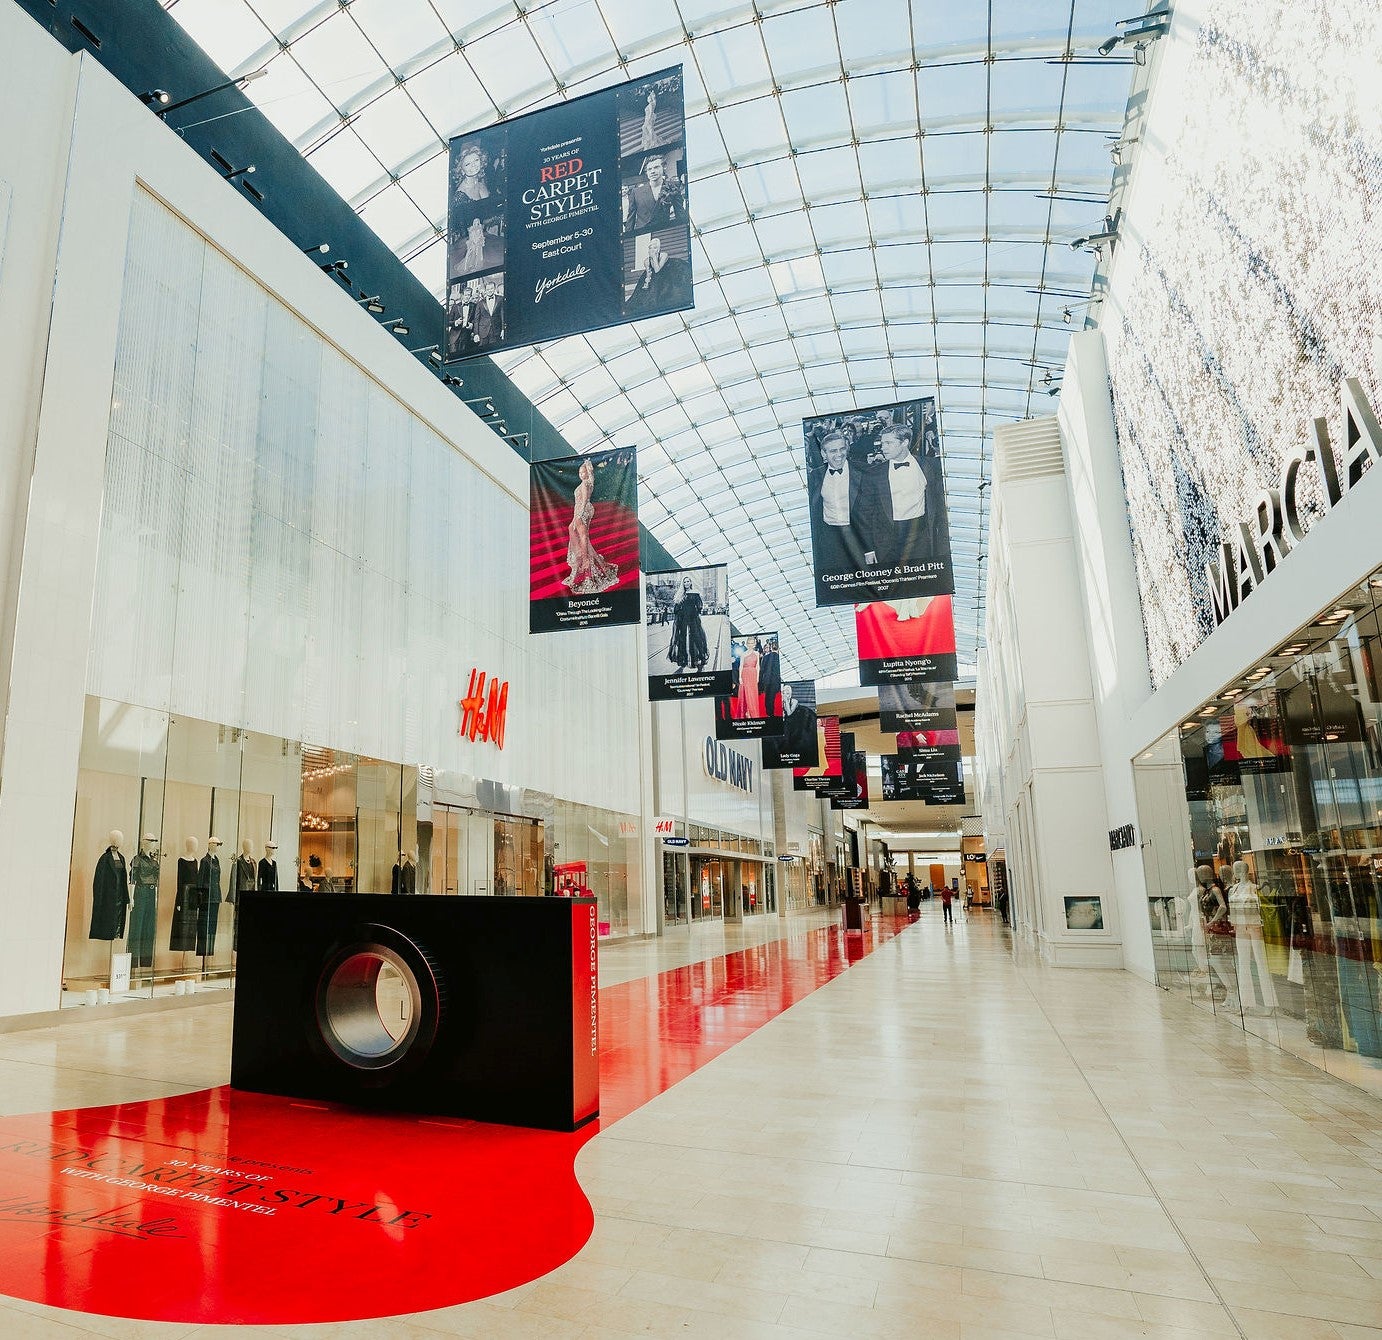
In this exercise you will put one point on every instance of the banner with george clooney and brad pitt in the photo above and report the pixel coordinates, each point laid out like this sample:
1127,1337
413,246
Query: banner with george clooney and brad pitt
879,526
569,219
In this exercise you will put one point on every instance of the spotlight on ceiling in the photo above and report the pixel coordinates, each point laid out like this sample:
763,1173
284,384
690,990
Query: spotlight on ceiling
1106,236
319,250
449,380
239,82
372,305
155,95
1137,33
398,326
432,351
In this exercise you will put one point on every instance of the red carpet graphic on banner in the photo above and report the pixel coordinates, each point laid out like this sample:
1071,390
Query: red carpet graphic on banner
613,535
227,1207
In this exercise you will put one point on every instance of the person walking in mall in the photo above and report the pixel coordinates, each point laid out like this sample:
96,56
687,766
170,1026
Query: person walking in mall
947,897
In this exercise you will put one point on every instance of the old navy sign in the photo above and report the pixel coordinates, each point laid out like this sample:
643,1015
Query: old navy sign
1251,551
727,765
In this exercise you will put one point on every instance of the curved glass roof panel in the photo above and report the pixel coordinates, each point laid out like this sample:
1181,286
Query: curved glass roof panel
882,195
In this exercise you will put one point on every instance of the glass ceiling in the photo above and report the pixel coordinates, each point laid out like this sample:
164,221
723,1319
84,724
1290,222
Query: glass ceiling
882,195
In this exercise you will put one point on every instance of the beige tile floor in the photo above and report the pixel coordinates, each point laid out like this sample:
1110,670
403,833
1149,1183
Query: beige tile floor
947,1141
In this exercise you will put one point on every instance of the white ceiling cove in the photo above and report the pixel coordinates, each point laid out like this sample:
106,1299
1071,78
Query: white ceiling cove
882,195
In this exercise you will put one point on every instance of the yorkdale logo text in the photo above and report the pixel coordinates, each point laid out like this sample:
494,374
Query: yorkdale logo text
1250,552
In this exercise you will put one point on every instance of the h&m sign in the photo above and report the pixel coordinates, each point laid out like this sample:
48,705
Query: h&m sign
727,765
1249,554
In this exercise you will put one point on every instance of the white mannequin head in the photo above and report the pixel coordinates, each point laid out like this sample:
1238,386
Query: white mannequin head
149,844
212,843
1240,872
1204,875
246,847
270,850
115,838
190,846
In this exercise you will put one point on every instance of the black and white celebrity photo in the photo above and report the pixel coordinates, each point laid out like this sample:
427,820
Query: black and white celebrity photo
879,528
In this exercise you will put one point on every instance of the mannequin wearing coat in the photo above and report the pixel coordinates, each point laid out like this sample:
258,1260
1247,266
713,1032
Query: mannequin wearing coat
110,891
1245,911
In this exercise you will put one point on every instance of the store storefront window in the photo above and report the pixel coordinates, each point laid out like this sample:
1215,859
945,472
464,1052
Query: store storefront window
1262,828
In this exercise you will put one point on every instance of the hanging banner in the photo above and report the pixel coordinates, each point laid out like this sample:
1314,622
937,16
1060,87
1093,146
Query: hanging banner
916,707
569,219
753,707
856,773
583,541
906,641
826,775
879,528
688,632
924,739
936,779
799,744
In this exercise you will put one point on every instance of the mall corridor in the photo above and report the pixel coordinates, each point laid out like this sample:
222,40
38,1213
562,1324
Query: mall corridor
946,1140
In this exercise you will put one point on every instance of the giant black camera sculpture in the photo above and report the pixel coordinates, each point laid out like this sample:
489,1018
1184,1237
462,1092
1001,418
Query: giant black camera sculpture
472,1007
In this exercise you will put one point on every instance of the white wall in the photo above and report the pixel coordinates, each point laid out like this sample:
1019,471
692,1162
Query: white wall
386,524
682,788
1039,730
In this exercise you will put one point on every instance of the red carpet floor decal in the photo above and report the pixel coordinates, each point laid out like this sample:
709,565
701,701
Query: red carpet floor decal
221,1207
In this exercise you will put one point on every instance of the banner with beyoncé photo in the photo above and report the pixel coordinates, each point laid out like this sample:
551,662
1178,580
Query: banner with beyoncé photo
583,541
568,219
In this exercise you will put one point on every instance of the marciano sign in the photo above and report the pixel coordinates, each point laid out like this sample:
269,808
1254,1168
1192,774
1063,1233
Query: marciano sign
1251,551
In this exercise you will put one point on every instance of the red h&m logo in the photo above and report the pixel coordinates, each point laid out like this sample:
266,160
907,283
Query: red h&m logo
484,718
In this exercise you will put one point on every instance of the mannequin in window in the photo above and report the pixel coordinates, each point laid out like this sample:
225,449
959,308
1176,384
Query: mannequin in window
143,918
243,876
404,877
185,899
1218,929
209,898
110,890
268,869
1245,911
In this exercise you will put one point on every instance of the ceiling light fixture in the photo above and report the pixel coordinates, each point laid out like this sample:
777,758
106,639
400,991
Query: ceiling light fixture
238,82
398,326
372,305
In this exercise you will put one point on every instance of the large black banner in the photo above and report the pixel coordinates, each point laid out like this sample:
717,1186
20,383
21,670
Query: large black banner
688,632
906,641
799,744
936,777
568,219
879,528
856,776
583,541
916,707
752,710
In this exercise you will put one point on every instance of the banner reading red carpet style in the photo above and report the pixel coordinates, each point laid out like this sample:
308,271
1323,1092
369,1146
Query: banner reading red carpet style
906,641
583,541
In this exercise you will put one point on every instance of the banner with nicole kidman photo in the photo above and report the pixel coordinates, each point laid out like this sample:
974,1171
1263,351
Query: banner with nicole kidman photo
689,638
569,219
583,541
906,641
753,707
879,528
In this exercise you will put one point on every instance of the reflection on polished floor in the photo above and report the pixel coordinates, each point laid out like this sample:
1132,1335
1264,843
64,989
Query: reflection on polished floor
945,1140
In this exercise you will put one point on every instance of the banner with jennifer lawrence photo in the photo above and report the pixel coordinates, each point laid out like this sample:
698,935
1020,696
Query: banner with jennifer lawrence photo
879,527
569,219
583,541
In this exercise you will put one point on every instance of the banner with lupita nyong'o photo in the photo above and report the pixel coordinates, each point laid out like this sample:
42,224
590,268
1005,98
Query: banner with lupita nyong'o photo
906,641
583,541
